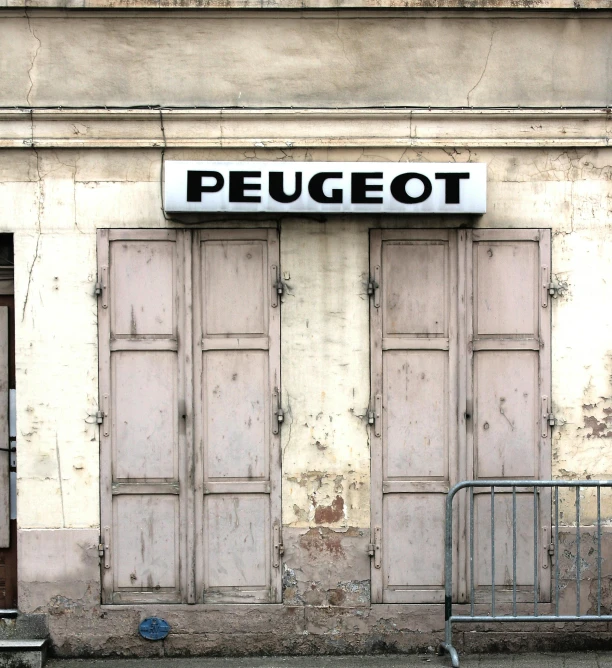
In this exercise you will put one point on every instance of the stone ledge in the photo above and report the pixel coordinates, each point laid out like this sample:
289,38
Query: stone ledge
516,5
303,128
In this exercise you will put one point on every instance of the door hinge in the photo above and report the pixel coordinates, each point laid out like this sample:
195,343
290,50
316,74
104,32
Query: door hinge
551,550
279,548
278,287
374,286
375,415
278,414
102,414
548,419
375,547
104,547
100,290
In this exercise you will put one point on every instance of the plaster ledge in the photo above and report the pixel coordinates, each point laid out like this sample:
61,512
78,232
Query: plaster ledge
303,128
515,5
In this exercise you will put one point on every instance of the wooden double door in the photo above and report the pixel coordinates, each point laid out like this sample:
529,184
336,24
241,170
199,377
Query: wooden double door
189,356
460,389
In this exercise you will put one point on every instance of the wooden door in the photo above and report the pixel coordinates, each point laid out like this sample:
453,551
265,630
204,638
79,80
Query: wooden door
460,336
190,393
508,396
143,383
8,442
237,355
414,400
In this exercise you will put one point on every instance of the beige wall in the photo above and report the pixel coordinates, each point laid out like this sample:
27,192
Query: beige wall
302,58
54,200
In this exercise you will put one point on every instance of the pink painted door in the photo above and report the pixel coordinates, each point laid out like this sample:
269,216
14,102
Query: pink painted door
189,329
143,380
508,391
236,355
414,399
460,336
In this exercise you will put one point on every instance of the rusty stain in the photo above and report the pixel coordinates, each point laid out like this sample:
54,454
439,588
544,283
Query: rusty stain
330,514
322,540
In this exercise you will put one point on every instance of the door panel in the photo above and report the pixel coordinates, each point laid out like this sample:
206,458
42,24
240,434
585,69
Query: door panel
143,274
143,384
237,537
415,416
236,411
505,423
505,273
422,309
144,403
503,544
414,343
414,546
508,376
234,282
146,555
237,352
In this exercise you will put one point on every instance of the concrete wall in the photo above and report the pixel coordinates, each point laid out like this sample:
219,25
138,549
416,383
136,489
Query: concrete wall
305,59
54,199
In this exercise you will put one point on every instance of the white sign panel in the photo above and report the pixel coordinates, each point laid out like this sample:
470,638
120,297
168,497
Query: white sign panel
325,187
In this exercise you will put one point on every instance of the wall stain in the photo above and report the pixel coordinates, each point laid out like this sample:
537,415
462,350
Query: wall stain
330,514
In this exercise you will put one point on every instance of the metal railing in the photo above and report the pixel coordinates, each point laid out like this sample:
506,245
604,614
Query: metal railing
535,607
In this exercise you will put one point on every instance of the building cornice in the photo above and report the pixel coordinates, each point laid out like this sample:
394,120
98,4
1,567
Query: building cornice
487,5
303,128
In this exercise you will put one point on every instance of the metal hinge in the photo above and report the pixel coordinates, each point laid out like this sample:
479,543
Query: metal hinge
278,414
548,418
375,415
551,550
279,548
375,547
101,284
278,287
374,286
104,547
553,290
102,415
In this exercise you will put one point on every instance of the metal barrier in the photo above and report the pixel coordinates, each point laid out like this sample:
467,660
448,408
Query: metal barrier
514,616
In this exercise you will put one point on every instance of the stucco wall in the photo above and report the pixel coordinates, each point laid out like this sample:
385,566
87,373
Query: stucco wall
305,59
54,200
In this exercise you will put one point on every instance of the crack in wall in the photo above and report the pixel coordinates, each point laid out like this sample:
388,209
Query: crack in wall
33,63
41,192
484,69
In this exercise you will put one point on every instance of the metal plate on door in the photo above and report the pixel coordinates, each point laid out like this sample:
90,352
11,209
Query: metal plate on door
154,628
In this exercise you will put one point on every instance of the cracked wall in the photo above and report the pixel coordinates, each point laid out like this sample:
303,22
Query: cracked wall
304,59
54,200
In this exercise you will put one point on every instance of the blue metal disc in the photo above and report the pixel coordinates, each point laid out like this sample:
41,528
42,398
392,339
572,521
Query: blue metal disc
154,628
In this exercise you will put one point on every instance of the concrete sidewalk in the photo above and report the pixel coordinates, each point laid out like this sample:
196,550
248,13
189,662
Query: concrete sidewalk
577,660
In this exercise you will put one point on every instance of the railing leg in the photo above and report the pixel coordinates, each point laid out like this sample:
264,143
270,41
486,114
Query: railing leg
446,648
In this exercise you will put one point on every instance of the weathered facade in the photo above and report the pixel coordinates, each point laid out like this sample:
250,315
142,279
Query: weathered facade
95,97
